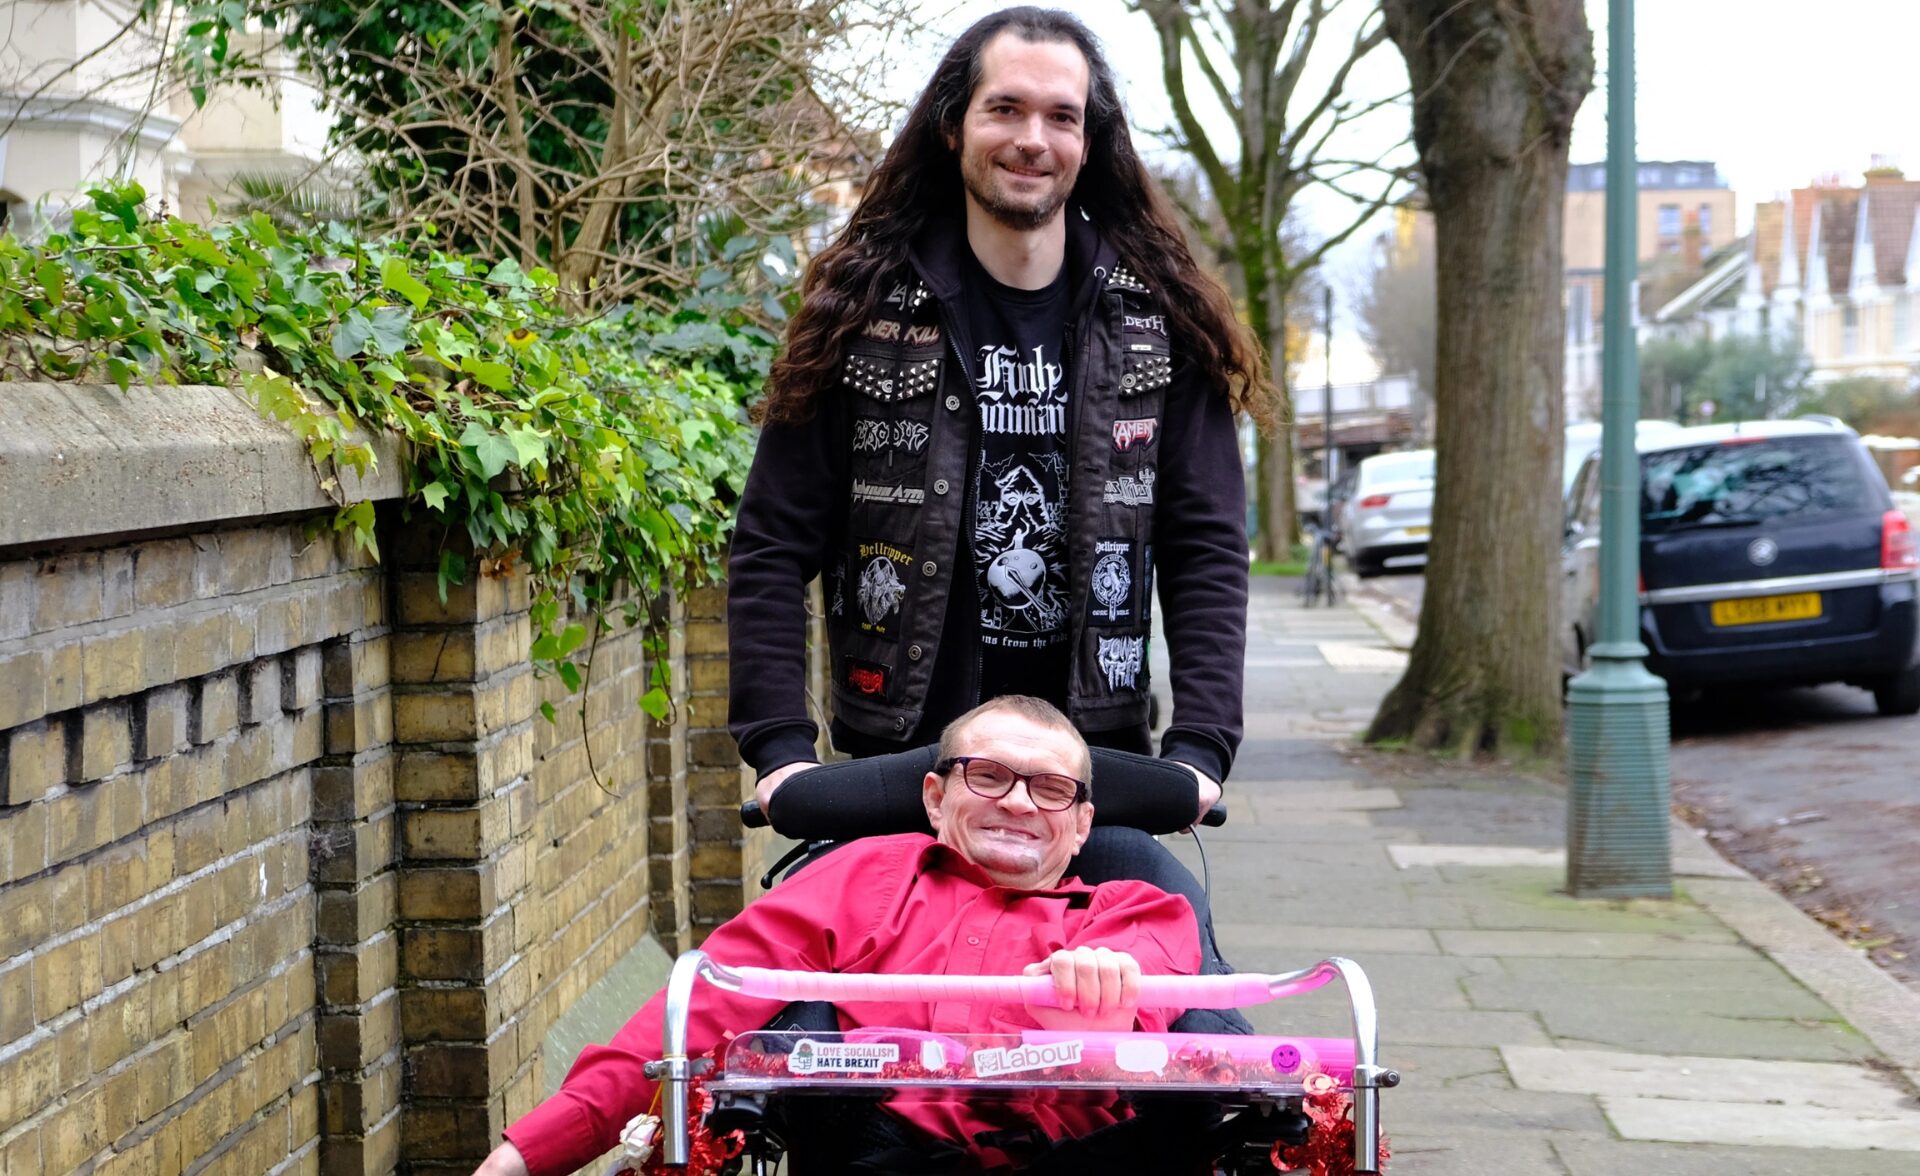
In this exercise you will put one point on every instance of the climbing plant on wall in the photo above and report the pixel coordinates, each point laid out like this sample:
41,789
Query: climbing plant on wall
597,452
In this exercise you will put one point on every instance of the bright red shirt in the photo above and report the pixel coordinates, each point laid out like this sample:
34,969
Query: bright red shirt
903,904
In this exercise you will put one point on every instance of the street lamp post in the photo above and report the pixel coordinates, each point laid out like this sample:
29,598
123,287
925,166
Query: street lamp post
1326,418
1618,840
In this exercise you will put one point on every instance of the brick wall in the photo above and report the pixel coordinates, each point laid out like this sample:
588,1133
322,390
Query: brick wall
591,850
669,816
294,877
726,859
162,716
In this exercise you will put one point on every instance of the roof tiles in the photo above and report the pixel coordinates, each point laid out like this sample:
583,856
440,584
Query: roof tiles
1839,214
1890,208
1769,219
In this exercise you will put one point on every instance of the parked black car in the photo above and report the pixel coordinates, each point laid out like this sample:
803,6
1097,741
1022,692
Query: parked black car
1771,553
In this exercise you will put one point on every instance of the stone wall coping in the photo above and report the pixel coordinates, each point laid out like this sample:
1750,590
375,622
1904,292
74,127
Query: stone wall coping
82,460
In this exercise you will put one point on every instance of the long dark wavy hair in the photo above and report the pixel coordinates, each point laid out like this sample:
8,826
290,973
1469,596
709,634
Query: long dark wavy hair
919,180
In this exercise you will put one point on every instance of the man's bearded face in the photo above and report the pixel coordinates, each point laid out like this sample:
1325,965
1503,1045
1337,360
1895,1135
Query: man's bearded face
1023,140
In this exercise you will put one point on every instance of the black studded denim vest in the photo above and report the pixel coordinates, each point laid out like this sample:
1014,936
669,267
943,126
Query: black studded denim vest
913,427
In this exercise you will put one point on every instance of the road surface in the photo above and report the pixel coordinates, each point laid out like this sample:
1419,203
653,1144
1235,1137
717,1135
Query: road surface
1808,789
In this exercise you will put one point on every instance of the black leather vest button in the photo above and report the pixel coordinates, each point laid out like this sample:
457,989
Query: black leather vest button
953,404
929,568
913,653
939,485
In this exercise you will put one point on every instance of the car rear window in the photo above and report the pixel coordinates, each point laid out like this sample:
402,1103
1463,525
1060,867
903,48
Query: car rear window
1398,467
1744,482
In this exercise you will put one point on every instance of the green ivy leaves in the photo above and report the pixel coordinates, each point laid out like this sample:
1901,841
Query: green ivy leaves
595,453
394,277
383,332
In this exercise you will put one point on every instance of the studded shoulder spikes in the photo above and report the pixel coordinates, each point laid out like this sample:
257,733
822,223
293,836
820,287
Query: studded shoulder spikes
916,378
887,384
1142,373
1149,373
870,377
885,378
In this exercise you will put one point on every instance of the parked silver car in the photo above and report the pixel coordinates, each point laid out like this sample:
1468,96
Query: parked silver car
1386,519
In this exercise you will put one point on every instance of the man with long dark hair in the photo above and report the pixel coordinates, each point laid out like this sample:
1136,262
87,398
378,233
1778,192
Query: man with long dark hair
1006,404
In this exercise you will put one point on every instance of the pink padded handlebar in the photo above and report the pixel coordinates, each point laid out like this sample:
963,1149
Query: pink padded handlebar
1182,992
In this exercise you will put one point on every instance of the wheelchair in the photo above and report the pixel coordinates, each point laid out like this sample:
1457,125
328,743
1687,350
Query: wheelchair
1234,1102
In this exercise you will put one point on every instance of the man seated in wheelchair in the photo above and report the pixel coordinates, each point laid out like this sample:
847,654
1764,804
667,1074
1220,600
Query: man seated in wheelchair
1010,803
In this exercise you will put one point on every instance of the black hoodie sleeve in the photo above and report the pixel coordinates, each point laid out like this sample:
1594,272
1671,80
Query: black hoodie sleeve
1201,553
788,519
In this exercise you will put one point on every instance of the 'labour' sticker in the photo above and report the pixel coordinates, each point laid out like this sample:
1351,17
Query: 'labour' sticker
1017,1059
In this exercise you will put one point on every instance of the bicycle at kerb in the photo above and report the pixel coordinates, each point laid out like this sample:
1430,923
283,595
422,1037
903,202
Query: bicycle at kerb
1319,582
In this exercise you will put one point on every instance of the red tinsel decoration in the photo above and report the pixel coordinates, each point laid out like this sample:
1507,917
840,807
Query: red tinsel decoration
1328,1150
707,1154
1191,1065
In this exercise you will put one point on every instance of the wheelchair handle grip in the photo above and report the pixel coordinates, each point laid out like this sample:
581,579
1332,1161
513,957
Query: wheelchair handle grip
1185,992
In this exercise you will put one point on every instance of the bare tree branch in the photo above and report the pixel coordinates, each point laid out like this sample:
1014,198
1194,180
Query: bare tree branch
617,144
1254,58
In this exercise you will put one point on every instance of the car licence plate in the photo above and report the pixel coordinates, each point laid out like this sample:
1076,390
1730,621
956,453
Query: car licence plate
1759,610
1416,532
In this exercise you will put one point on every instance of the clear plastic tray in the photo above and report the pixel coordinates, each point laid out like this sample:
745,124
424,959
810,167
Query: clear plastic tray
875,1059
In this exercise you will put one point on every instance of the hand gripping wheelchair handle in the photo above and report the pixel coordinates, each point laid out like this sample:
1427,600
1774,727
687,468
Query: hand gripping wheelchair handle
881,795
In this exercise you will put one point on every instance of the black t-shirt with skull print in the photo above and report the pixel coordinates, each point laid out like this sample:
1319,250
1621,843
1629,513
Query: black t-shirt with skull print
1019,525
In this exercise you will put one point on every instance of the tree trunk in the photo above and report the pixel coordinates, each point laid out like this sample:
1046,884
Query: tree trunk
1496,84
1279,515
1266,295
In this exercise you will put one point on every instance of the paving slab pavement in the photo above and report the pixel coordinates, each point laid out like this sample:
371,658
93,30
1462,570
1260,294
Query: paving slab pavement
1723,1032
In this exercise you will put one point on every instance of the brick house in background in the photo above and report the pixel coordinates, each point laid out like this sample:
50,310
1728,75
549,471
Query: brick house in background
1861,279
1833,267
1686,218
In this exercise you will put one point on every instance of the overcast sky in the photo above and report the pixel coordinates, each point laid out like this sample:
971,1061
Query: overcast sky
1776,92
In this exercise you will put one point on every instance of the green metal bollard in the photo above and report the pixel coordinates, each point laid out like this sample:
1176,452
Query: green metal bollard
1619,843
1618,801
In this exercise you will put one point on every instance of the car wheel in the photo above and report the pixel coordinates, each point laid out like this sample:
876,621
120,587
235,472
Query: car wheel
1366,569
1898,694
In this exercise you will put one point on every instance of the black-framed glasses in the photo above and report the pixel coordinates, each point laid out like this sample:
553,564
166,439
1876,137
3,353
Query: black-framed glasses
989,778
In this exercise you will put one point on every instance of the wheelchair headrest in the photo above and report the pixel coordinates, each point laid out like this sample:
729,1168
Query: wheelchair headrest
881,795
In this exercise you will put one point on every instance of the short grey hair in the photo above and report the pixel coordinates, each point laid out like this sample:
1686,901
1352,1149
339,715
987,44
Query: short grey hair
1039,710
